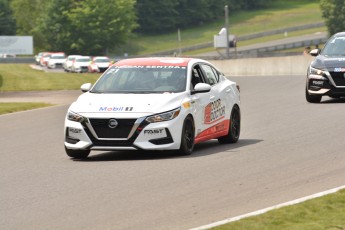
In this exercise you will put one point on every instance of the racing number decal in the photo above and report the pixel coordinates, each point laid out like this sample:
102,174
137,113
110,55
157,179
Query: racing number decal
214,111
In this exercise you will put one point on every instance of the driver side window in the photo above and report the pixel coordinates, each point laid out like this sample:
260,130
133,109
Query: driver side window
197,76
211,78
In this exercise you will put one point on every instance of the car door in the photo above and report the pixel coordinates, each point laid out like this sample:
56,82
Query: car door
199,102
216,111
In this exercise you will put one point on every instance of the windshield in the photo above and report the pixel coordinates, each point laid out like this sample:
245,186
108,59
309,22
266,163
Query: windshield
142,79
102,60
83,60
335,47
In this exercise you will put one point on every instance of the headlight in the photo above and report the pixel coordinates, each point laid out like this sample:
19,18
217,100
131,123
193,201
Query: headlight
164,116
74,117
317,73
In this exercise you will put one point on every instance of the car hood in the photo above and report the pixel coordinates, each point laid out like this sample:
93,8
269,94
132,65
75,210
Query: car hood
135,104
328,62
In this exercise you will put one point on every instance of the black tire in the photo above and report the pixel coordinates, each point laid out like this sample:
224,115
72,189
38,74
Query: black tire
187,137
312,98
77,154
234,127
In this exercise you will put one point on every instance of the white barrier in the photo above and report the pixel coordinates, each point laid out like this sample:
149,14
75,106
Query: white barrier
270,66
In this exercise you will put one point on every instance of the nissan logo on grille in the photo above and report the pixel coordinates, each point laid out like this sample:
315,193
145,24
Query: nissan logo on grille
112,123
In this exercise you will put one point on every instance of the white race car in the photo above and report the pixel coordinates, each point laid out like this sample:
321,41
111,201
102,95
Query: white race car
154,104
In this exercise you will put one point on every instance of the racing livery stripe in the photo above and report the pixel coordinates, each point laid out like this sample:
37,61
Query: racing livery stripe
218,130
154,62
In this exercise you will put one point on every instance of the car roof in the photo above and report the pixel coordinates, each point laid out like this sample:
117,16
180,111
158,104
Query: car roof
154,61
340,34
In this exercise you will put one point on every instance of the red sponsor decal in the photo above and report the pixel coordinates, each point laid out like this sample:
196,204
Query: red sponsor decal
218,130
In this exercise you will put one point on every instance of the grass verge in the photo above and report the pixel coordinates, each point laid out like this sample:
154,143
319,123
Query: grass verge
280,14
20,106
21,77
317,214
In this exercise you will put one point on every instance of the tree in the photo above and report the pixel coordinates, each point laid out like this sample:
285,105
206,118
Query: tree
333,11
28,16
7,21
88,26
157,16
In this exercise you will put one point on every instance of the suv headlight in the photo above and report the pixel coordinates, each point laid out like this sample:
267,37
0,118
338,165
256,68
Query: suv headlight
75,117
164,116
317,73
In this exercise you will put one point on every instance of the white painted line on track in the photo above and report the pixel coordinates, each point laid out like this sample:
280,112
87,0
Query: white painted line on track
258,212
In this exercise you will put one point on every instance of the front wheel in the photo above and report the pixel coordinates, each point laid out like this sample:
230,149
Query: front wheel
234,127
312,98
77,154
187,137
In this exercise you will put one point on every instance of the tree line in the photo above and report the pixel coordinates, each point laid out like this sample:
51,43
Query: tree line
97,27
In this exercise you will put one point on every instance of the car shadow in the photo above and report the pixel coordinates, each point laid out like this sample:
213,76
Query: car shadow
200,150
330,100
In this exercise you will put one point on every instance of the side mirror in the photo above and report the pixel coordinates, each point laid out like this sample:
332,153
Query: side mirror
315,52
85,87
201,88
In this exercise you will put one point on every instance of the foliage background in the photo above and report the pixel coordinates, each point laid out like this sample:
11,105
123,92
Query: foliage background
96,27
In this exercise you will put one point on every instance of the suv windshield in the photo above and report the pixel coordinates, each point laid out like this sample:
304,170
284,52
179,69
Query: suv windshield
335,47
141,79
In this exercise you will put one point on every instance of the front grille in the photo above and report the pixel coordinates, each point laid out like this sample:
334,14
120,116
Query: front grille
338,78
102,69
84,69
102,129
113,143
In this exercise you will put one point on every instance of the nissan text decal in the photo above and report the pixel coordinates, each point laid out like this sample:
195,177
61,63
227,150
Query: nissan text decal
115,109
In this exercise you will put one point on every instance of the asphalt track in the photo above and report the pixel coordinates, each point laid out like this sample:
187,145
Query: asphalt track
288,149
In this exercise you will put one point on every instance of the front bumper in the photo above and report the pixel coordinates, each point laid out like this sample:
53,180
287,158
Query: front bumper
326,85
130,135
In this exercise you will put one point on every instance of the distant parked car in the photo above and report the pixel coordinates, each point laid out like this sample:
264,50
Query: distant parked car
67,65
56,60
38,57
99,64
44,58
80,64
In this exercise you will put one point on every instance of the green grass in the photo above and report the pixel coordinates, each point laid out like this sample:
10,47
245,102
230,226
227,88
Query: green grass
281,14
20,106
264,39
324,213
21,77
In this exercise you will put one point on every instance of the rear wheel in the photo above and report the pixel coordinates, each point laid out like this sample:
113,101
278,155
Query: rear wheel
187,137
312,98
77,154
234,127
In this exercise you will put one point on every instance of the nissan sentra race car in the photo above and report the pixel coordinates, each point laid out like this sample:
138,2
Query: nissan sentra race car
326,74
153,104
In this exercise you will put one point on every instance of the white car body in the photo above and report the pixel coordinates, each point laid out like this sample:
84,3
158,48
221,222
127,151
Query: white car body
121,112
99,64
80,64
56,60
45,58
38,57
67,65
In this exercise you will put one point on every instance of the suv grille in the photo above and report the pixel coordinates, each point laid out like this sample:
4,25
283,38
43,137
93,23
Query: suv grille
338,78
